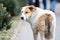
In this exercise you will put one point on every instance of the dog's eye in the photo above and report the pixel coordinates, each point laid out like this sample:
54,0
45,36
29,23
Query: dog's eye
26,12
21,11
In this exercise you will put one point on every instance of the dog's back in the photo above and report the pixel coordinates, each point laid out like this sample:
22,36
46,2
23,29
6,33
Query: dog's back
47,24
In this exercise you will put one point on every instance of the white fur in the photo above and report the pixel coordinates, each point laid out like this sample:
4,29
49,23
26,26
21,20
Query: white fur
39,12
35,15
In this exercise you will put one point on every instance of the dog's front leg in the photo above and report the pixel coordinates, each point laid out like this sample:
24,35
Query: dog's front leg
35,34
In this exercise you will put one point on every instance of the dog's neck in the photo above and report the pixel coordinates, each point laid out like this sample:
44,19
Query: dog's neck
35,14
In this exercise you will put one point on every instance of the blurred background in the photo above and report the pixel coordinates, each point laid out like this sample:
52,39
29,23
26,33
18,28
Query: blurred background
10,14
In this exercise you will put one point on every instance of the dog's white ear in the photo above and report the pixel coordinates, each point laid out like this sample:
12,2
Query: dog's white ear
32,8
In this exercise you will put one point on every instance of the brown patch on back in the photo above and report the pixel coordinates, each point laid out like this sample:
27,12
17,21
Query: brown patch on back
44,24
48,24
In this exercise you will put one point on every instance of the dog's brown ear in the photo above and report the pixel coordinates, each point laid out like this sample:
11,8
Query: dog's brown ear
32,8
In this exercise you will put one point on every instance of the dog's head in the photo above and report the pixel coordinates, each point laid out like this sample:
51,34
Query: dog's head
27,12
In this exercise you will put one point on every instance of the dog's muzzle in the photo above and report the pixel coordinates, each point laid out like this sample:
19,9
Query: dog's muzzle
22,18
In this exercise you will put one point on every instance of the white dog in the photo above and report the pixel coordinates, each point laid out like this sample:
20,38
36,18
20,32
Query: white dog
42,21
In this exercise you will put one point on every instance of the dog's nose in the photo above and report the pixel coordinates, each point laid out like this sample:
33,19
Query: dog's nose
22,18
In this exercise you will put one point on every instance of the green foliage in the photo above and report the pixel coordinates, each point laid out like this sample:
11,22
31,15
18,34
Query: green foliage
4,18
14,5
10,4
23,2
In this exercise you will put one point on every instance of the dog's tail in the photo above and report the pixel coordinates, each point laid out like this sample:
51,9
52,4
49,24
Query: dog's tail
48,25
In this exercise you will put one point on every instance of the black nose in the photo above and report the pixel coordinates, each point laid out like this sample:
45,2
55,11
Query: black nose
22,18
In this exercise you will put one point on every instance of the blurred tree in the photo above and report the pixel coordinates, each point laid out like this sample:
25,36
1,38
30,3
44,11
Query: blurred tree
23,2
13,5
4,18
